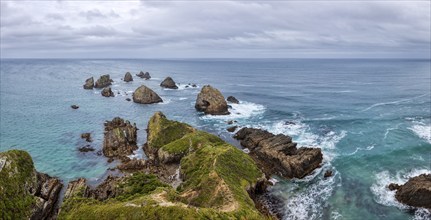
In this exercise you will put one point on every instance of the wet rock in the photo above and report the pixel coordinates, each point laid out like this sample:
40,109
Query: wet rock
393,186
231,122
232,99
87,137
194,85
128,77
415,192
143,75
145,95
169,83
86,148
103,81
211,101
119,138
128,99
107,92
289,123
328,173
74,106
277,154
89,83
232,129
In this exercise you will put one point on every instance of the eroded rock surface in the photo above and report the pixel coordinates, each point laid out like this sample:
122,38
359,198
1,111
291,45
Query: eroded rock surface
107,92
103,81
415,192
143,75
89,83
128,77
169,83
145,95
119,138
211,101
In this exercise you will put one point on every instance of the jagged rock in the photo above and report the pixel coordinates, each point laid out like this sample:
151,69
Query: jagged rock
74,106
277,154
107,92
211,101
87,137
77,187
128,77
232,129
86,148
89,83
328,173
393,186
103,81
145,95
169,83
29,194
194,85
119,138
143,75
135,164
128,99
232,99
415,192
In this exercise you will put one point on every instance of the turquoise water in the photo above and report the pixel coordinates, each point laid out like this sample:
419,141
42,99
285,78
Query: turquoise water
372,118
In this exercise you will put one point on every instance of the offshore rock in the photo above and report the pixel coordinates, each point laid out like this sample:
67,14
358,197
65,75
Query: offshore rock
143,75
107,92
277,154
145,95
103,81
232,99
89,83
169,83
415,192
128,77
74,106
211,101
87,137
119,138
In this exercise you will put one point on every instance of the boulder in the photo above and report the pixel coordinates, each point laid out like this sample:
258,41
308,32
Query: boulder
145,95
415,192
87,137
74,106
107,92
119,138
128,99
232,99
277,154
169,83
89,83
128,77
211,101
103,81
143,75
232,128
328,173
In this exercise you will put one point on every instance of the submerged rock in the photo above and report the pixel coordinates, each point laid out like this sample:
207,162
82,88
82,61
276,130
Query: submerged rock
24,192
103,81
119,138
87,137
89,83
211,101
277,154
74,106
107,92
169,83
232,99
128,77
415,192
145,95
143,75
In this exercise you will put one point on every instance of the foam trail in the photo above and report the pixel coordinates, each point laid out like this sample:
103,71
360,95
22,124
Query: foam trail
394,102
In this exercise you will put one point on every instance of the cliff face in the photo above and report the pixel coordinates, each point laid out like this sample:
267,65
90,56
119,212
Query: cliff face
24,192
216,179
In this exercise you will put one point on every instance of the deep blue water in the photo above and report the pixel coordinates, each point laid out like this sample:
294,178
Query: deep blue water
372,118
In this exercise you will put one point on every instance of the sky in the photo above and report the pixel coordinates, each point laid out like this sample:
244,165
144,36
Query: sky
215,29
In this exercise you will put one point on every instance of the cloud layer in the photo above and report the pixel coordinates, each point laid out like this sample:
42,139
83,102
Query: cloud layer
202,29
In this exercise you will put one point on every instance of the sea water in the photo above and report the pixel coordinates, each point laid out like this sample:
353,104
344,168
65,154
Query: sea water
372,119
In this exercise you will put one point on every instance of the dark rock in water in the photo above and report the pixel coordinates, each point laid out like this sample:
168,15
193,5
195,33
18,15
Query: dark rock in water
393,186
107,92
119,138
232,129
187,86
89,83
135,164
211,101
289,123
194,85
143,75
103,81
128,77
74,106
277,154
415,192
169,83
86,148
87,137
232,99
328,173
145,95
128,99
231,122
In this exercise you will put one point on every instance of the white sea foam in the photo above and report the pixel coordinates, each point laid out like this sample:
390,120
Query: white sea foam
422,130
183,98
370,147
394,102
186,86
390,129
384,196
241,110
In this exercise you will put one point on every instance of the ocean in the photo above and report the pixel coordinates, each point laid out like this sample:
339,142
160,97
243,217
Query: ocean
371,117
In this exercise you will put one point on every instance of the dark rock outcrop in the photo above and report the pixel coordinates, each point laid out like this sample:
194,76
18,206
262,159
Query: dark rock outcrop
169,83
145,95
74,106
87,137
232,129
86,148
107,92
143,75
128,99
211,101
119,138
232,99
89,83
132,165
277,154
328,173
103,81
415,192
128,77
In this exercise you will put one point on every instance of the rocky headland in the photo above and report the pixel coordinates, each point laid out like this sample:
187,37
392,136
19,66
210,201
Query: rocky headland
416,192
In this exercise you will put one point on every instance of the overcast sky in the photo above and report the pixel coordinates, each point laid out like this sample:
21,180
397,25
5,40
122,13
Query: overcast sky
206,29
